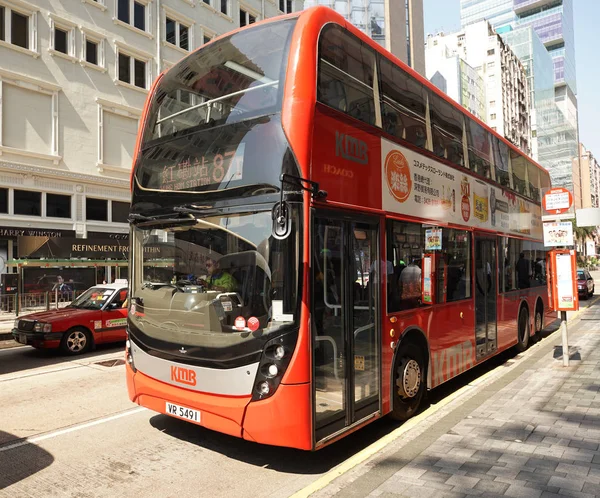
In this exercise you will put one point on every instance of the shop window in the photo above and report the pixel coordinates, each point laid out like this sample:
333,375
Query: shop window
346,74
96,209
446,130
28,203
403,105
3,200
58,206
120,211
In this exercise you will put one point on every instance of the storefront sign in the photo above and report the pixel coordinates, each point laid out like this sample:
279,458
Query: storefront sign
34,232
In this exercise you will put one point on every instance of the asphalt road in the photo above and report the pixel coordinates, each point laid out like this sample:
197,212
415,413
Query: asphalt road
68,429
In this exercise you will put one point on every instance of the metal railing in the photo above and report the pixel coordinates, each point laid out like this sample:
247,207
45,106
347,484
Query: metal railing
31,302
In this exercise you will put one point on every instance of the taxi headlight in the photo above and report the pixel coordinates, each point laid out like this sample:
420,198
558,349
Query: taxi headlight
43,327
16,325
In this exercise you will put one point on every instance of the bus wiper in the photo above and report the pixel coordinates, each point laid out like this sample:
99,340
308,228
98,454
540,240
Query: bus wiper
168,219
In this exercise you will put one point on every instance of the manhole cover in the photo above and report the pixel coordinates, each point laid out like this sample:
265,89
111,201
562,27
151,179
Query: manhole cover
110,363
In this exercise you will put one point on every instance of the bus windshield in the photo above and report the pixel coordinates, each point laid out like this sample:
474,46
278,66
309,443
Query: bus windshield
213,288
233,79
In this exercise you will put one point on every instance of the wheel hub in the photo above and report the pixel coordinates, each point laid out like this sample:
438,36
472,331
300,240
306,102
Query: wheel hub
409,378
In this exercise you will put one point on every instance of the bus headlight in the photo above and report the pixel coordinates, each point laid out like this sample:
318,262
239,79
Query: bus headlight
273,364
128,355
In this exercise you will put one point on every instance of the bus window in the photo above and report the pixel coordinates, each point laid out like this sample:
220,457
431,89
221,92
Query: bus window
402,105
533,176
346,74
478,140
545,183
501,162
446,130
406,244
454,270
519,170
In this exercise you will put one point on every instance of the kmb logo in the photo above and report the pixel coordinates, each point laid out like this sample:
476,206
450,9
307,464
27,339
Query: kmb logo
183,376
351,148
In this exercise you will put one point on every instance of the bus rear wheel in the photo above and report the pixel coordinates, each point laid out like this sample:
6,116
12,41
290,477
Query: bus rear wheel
523,330
409,382
538,322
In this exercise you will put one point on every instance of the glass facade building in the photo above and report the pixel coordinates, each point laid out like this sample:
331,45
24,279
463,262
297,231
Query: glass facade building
541,33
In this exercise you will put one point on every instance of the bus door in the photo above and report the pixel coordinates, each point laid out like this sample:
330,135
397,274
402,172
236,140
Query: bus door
485,295
346,273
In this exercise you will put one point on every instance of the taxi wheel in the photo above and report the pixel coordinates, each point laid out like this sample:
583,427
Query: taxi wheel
76,341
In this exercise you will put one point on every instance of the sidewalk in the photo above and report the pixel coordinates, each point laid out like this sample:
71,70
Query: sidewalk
531,430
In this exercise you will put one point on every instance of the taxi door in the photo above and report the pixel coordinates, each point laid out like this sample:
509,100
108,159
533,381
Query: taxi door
114,318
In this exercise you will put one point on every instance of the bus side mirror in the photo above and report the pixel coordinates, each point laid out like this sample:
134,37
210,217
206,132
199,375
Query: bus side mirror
282,221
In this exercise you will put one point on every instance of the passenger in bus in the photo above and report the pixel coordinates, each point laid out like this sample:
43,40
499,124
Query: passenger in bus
218,279
410,283
523,272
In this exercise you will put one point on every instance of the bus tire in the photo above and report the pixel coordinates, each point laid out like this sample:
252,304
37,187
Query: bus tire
77,340
410,379
538,321
523,329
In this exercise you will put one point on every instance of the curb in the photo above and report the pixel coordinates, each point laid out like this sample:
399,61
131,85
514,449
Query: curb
5,336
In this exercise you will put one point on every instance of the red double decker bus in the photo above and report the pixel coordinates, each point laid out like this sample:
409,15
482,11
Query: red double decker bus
319,236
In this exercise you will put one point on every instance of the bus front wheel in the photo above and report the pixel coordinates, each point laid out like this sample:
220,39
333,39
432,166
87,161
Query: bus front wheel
523,330
409,382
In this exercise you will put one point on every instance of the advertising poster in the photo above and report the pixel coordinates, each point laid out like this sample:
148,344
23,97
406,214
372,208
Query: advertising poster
418,186
557,234
564,282
427,269
433,239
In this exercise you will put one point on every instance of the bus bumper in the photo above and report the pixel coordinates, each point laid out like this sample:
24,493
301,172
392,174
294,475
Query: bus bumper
219,413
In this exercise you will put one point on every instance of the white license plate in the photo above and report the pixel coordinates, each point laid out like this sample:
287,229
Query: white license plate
22,339
183,412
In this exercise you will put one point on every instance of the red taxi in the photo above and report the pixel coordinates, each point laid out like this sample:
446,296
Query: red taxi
97,316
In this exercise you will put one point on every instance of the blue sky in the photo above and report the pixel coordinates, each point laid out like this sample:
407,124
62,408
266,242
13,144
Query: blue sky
444,15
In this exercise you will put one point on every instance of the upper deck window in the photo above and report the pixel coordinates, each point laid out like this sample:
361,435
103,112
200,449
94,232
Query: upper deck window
501,162
403,104
236,78
346,74
480,157
533,177
446,130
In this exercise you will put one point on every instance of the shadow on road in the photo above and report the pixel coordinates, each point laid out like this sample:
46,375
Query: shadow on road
22,462
26,358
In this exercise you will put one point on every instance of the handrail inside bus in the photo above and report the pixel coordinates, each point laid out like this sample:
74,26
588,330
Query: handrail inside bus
217,99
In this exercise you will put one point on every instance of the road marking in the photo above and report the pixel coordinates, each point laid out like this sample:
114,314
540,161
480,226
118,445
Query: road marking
50,435
13,348
380,444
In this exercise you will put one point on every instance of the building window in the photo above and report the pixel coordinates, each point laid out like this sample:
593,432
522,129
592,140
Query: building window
17,27
207,39
58,206
224,7
285,6
493,116
177,33
132,70
133,13
120,211
3,200
63,38
246,18
491,64
491,51
96,209
492,103
28,203
91,52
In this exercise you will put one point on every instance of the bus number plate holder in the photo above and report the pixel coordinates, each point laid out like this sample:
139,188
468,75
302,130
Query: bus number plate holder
182,412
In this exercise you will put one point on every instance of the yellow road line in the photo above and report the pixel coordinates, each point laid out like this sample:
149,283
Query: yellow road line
380,444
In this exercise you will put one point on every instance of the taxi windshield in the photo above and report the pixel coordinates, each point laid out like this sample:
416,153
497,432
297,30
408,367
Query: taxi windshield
94,298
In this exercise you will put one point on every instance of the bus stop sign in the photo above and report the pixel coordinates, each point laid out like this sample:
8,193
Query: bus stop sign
557,200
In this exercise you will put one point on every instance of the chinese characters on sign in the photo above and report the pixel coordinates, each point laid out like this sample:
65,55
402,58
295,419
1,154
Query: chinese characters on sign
202,171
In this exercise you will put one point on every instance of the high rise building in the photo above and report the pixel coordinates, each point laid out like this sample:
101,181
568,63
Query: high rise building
380,20
590,178
506,106
73,80
552,22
